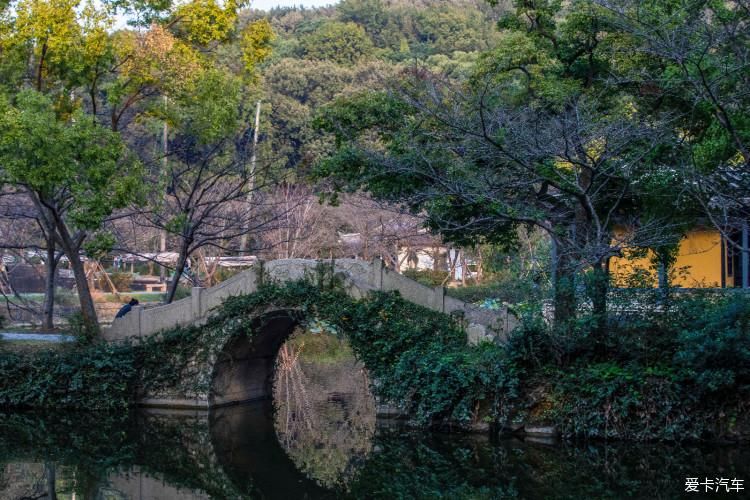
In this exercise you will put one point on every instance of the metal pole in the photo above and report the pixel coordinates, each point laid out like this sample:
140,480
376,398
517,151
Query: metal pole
251,180
163,235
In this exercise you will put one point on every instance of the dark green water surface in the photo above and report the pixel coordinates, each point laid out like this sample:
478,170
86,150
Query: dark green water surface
234,453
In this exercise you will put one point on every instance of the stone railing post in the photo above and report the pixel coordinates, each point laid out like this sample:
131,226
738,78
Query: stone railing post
259,271
197,302
376,273
137,311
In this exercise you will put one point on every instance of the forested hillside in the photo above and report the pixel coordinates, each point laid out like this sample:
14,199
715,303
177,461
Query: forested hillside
319,54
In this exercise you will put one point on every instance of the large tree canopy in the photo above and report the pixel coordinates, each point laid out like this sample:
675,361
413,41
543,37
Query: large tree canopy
543,133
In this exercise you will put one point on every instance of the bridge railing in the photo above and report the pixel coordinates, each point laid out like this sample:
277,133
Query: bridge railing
362,276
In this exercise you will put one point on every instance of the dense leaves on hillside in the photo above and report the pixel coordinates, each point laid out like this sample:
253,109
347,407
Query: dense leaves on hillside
322,54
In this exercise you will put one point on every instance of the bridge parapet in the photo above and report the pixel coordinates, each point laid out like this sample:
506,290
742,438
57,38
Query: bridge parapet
359,278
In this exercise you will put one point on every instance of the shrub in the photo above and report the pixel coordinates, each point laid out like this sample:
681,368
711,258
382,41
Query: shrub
502,287
677,371
121,281
427,277
80,329
182,292
715,349
98,377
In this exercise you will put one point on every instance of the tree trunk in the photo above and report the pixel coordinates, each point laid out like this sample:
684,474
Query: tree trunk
563,283
564,299
598,288
71,246
665,257
181,260
49,294
88,310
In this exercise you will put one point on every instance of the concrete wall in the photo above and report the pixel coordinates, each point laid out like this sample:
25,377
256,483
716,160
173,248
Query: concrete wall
359,278
699,253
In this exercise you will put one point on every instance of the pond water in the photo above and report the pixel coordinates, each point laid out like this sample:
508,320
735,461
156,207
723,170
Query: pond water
322,440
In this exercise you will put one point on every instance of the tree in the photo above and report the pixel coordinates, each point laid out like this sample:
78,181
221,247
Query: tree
208,193
75,172
536,138
690,63
24,236
343,43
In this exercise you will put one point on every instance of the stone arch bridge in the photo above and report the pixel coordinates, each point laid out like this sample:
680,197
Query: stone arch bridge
242,368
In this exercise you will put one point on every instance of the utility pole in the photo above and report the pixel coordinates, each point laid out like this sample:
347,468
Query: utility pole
163,232
251,180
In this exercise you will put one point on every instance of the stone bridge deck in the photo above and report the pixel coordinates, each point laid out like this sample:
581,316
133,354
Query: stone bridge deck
360,277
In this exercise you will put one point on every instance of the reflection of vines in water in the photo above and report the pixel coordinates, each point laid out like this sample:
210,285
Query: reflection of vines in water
86,449
325,412
296,409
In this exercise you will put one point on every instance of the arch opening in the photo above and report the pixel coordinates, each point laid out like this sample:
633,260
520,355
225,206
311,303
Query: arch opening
244,368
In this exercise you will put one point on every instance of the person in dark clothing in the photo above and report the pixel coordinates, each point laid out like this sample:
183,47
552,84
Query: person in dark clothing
126,308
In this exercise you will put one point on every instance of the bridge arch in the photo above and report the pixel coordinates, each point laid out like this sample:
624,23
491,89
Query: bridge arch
243,369
235,367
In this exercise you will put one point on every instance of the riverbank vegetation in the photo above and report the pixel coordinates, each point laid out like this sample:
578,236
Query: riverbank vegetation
681,376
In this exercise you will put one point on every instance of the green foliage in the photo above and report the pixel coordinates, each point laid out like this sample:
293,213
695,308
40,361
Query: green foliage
320,54
343,43
679,371
205,21
207,112
78,158
95,377
427,277
419,358
99,245
80,329
680,374
256,44
715,348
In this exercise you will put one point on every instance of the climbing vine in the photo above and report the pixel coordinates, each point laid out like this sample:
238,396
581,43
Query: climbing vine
686,379
418,358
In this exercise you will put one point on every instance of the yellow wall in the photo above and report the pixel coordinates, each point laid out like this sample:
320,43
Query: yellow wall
698,263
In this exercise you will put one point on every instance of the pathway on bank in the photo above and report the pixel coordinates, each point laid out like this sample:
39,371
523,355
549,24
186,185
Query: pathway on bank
43,337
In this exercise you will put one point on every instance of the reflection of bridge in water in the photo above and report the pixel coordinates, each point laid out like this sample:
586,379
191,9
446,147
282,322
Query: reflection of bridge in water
239,456
241,369
232,450
178,454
